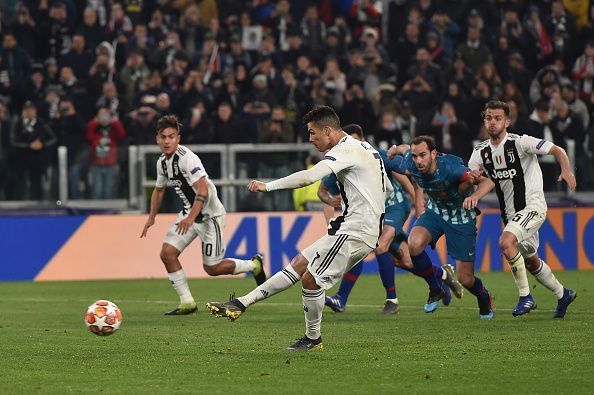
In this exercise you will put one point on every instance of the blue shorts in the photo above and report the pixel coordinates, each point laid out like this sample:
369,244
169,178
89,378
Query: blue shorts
396,216
460,238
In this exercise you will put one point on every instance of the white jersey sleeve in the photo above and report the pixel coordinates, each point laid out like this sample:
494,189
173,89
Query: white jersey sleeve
194,168
532,145
161,176
338,158
475,162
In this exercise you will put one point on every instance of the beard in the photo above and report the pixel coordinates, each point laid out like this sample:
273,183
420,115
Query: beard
496,132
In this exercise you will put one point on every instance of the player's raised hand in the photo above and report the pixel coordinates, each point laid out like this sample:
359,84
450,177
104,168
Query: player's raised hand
470,202
569,178
256,186
149,222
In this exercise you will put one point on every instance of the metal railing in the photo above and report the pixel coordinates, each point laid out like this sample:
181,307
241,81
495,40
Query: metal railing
231,176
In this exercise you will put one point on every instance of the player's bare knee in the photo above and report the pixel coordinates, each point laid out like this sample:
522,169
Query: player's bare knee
466,279
308,281
507,244
168,254
299,264
415,247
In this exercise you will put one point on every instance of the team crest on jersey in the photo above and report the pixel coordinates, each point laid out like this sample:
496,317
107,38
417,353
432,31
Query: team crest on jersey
175,169
511,156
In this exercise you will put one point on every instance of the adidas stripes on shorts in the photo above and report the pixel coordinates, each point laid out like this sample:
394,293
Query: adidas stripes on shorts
524,225
333,255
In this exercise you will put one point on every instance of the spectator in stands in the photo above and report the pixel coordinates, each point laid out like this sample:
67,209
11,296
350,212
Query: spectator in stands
451,134
228,128
313,32
112,100
198,129
570,128
70,130
79,59
474,51
132,73
461,75
32,141
92,29
141,125
104,134
17,64
541,127
275,165
55,31
5,150
446,30
576,105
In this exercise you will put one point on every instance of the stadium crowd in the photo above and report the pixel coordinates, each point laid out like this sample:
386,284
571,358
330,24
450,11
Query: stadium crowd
95,76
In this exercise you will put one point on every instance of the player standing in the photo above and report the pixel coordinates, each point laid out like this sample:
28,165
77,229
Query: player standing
364,187
203,215
447,182
511,164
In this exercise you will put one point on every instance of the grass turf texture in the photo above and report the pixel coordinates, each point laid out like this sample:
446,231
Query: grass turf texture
45,346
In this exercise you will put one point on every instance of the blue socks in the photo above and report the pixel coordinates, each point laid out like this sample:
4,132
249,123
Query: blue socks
422,267
386,271
348,282
478,290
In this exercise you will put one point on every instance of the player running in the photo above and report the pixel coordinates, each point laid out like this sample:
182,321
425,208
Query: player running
364,187
447,182
203,215
511,165
392,241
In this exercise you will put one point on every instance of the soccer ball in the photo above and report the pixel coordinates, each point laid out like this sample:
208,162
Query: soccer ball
103,318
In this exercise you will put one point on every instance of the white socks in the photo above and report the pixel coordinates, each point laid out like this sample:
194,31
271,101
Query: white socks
180,284
275,284
518,269
545,276
242,266
313,305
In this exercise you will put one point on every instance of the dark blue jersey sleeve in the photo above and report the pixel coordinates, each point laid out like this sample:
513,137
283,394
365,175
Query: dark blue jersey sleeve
396,164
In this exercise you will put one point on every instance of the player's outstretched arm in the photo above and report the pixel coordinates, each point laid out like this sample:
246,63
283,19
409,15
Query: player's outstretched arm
563,160
397,150
201,188
156,200
485,185
296,180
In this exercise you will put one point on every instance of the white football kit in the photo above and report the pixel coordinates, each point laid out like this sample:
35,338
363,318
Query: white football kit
181,171
364,187
513,166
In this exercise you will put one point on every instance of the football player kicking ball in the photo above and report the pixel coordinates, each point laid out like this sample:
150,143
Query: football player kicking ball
447,182
351,237
203,215
511,166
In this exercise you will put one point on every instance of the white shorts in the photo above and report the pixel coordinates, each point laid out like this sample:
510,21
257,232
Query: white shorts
331,256
525,225
210,233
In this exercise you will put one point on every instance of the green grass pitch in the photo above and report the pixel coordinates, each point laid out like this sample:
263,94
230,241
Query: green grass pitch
46,348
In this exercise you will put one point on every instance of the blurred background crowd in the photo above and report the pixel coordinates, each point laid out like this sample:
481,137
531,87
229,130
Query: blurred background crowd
95,75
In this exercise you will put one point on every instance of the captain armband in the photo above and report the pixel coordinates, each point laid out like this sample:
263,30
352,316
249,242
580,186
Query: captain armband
201,198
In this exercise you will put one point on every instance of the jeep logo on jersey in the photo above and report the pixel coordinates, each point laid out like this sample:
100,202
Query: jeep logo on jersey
511,156
503,174
174,183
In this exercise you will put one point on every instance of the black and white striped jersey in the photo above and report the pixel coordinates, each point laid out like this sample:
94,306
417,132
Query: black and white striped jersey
181,171
513,167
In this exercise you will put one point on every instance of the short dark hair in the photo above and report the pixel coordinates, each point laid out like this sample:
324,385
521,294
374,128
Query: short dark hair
430,141
353,128
168,121
322,116
497,105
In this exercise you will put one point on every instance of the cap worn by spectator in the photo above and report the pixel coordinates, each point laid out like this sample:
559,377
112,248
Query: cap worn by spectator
49,61
405,104
474,13
29,104
333,31
516,56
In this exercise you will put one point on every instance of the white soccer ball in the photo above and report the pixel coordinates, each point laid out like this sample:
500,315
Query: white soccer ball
103,318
